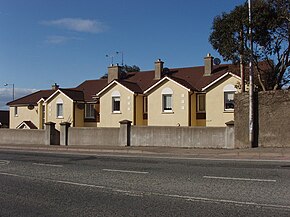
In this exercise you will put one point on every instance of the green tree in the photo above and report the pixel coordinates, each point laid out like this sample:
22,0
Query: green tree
230,37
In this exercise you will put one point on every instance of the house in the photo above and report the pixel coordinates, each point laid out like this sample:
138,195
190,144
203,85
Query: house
77,106
193,96
4,119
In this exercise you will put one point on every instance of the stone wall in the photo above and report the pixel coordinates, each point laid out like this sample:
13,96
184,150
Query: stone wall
272,111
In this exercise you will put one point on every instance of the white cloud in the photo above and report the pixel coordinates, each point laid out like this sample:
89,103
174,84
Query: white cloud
6,95
77,24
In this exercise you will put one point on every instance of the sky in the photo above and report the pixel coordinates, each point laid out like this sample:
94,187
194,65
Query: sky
43,42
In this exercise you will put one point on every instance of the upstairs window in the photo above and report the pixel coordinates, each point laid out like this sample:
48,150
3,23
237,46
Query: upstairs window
201,103
89,111
116,102
229,93
59,108
167,100
16,111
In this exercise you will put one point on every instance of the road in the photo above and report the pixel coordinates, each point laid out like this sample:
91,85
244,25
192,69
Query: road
50,184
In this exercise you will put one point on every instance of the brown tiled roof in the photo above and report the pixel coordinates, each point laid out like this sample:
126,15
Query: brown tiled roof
32,99
191,77
29,124
131,86
91,87
76,95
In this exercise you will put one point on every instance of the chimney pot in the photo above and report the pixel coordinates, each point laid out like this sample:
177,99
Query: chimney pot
55,86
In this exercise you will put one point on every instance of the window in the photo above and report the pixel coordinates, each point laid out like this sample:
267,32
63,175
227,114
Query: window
229,101
116,102
167,103
229,93
59,110
167,100
145,107
43,116
15,111
201,103
89,111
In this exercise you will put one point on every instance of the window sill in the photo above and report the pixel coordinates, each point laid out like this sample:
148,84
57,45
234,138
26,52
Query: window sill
116,112
59,117
229,111
167,112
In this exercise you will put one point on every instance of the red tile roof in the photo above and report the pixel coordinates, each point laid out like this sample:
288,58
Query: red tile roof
32,99
191,78
91,87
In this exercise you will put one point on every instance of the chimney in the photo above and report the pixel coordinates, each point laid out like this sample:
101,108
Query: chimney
158,69
114,72
208,65
55,86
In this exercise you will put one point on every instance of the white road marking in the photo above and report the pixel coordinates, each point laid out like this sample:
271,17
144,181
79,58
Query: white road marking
139,193
125,171
4,162
239,179
10,174
47,165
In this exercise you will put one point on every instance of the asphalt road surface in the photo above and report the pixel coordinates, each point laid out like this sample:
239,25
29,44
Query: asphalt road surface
50,184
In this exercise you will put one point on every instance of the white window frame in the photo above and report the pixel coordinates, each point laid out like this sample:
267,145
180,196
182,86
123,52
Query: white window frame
229,90
167,93
90,111
198,103
16,111
116,97
59,108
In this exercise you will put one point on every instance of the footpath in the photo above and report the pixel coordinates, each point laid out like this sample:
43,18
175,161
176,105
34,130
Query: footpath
271,154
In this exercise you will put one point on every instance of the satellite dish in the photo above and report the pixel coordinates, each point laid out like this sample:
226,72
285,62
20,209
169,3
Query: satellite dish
217,61
80,106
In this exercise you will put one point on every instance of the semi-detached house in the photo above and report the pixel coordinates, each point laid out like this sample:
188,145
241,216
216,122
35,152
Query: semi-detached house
193,96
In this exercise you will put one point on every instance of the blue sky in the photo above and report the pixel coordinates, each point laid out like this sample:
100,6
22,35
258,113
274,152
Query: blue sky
66,41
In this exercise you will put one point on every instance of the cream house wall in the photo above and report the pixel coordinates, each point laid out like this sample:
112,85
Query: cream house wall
180,106
215,113
51,115
24,114
110,119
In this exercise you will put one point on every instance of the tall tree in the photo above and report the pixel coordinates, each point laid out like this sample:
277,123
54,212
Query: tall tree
270,38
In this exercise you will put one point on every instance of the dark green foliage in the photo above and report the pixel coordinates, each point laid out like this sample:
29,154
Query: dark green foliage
270,27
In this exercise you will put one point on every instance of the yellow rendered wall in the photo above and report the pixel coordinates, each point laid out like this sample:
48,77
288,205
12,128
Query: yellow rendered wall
24,114
110,119
193,109
139,110
67,110
215,114
79,116
180,114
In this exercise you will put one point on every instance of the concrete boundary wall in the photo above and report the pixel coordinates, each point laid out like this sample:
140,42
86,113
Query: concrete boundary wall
22,137
93,136
192,137
49,136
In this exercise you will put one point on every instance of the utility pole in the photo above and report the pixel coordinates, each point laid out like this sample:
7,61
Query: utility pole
251,88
